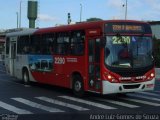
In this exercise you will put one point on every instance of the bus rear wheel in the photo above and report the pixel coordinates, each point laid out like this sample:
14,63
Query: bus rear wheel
78,86
25,77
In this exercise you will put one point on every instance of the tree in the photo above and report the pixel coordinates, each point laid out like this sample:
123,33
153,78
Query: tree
93,19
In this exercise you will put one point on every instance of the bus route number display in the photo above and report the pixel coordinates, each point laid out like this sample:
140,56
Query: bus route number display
134,28
121,40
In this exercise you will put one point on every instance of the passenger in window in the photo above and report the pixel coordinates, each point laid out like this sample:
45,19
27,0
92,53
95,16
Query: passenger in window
123,53
26,49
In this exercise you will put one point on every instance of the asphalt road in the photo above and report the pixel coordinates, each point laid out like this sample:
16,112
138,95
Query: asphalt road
44,102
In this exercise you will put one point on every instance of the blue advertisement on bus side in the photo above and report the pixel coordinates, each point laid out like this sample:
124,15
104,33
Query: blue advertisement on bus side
41,63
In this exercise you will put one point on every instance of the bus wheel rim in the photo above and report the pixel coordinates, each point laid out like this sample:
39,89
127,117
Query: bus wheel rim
25,77
78,86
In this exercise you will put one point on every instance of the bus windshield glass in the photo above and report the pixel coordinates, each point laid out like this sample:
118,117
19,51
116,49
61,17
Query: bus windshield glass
128,51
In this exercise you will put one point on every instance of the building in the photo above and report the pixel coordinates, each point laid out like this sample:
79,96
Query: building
2,42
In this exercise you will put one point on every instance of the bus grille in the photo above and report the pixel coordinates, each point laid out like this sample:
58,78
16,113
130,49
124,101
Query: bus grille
131,86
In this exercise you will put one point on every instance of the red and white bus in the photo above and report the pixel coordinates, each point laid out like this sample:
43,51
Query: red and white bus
113,56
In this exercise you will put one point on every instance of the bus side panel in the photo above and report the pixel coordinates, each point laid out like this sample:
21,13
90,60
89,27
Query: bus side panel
63,69
20,62
40,66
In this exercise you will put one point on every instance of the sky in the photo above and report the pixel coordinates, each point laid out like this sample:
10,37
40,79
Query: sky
52,12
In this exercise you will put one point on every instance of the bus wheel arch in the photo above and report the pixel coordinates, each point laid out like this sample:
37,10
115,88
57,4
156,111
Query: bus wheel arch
77,83
25,75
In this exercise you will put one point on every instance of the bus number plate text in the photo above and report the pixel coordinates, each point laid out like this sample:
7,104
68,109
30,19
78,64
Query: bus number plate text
59,60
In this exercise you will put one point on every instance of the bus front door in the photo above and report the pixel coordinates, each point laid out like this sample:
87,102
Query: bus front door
12,55
94,64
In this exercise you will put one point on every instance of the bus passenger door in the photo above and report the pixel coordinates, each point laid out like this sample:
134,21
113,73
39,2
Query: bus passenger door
94,64
12,55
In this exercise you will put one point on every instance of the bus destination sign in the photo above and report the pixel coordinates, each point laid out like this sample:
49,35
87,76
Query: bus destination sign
135,28
127,27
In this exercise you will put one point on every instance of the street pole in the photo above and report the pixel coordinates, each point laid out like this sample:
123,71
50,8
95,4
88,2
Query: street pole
20,10
80,12
126,11
17,18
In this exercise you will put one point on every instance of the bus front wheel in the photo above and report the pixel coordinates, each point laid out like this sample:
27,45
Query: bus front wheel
25,77
78,86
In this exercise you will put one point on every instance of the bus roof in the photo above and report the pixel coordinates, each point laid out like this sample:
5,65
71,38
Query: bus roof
21,33
80,26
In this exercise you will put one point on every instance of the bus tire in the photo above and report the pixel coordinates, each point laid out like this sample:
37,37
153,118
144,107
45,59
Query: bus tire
78,86
25,76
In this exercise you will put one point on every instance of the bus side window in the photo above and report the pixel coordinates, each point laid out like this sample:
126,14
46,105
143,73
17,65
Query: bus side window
77,43
35,44
7,45
63,44
66,44
47,41
59,47
23,45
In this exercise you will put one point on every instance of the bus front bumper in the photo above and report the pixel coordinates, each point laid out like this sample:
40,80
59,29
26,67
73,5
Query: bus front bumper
109,88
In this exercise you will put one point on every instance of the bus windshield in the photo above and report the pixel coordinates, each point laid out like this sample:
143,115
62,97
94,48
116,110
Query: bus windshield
128,51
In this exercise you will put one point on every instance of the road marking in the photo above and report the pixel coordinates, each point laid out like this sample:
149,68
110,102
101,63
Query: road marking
145,97
118,103
157,92
14,109
87,102
50,100
147,93
141,101
36,105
